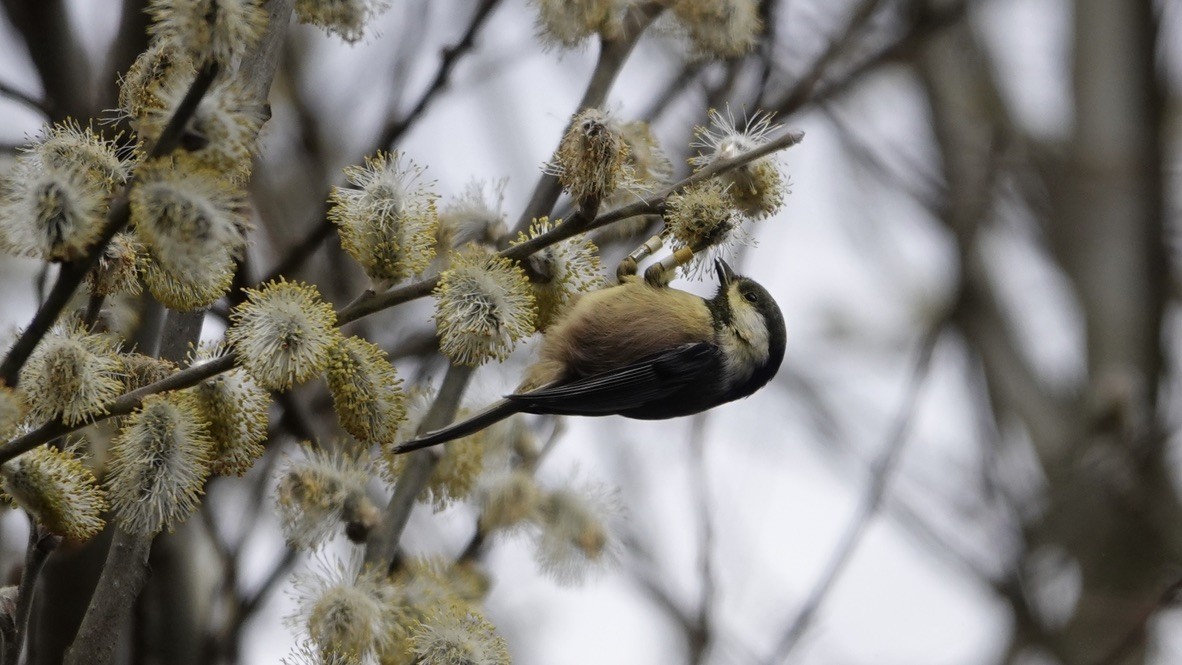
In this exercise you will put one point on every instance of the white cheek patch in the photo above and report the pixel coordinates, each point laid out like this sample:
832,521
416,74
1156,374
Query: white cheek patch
744,343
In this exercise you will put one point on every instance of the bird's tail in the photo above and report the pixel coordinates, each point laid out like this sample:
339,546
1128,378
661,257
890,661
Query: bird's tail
497,412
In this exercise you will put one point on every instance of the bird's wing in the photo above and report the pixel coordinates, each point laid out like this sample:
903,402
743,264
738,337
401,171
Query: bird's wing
624,388
621,389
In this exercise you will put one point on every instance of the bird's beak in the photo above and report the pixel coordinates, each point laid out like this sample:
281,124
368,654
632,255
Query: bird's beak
725,274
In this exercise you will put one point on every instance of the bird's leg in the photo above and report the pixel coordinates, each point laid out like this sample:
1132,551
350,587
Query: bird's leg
631,263
661,272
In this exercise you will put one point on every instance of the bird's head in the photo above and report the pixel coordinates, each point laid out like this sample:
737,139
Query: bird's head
751,327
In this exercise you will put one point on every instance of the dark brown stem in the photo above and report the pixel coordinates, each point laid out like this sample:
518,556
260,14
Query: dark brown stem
1136,634
124,574
26,99
676,87
475,547
250,604
41,545
386,299
94,305
122,406
72,274
702,627
933,22
381,549
394,129
56,53
299,253
612,56
803,89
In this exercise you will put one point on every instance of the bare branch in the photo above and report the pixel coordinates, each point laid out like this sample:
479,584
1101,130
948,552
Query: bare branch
71,274
899,49
871,501
382,546
700,638
56,53
25,98
41,544
612,56
394,129
391,134
124,573
1130,643
804,87
122,406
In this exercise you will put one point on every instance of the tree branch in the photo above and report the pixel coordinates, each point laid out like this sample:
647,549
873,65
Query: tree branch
122,406
394,129
124,574
382,546
41,544
871,501
390,135
56,53
931,23
28,100
803,89
703,625
612,56
71,274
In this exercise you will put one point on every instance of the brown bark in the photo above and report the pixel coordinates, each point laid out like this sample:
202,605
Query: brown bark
1110,505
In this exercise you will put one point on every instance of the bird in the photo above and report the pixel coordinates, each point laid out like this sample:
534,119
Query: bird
644,351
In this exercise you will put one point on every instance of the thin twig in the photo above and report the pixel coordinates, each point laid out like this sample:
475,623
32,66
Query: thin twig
871,502
806,84
122,405
475,546
676,86
704,622
652,204
300,252
41,544
94,306
394,129
227,585
124,573
28,100
390,135
249,604
71,274
933,22
612,55
382,546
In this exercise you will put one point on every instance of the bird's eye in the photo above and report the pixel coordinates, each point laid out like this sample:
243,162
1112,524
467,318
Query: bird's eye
750,296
